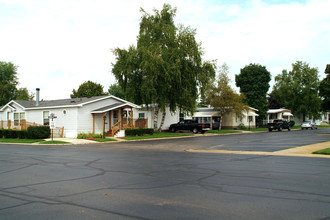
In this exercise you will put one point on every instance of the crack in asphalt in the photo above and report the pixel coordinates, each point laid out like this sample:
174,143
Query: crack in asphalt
176,173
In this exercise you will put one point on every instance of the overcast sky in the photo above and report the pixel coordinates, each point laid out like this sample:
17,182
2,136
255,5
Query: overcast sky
58,45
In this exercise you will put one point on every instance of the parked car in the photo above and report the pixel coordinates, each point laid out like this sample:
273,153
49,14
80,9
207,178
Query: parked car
190,125
215,123
308,124
278,124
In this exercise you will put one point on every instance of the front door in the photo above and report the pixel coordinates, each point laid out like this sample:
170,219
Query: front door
115,116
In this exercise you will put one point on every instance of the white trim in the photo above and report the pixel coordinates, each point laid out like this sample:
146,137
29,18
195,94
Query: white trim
205,114
287,114
11,107
53,107
109,109
107,97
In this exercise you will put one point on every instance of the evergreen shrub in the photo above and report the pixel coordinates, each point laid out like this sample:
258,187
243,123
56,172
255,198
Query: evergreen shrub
139,132
292,123
38,132
5,133
12,133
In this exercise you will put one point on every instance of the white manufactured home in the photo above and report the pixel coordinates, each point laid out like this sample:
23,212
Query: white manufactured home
79,115
102,114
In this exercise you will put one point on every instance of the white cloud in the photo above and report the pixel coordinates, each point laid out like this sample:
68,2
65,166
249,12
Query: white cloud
60,44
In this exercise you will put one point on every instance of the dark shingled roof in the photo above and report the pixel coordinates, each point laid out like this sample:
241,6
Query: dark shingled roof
59,102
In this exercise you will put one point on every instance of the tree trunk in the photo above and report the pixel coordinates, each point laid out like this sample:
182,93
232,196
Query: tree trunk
220,122
156,112
163,120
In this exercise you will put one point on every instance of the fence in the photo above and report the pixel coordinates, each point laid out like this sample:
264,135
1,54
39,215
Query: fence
137,123
23,125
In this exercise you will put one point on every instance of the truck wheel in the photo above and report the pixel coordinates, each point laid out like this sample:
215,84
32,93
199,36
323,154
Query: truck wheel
173,130
269,129
280,129
203,132
289,129
195,130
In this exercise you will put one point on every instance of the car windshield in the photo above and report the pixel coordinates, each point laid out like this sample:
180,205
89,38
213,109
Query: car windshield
307,122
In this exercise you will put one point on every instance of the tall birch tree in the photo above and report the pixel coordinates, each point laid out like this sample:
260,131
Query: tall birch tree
165,68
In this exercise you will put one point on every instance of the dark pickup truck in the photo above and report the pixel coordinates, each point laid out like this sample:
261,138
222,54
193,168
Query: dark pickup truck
278,124
190,125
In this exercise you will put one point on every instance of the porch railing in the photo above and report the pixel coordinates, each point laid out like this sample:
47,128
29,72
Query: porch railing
18,125
128,124
115,128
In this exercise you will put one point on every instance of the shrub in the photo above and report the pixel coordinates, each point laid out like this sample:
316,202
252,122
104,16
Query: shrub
241,126
292,123
89,135
6,133
139,132
22,134
12,133
1,135
38,132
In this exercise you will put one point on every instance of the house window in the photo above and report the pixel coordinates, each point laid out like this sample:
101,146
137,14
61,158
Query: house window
141,116
16,119
22,116
239,118
45,117
181,117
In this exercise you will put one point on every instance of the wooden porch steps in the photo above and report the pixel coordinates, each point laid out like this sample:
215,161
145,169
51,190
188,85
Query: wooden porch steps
109,133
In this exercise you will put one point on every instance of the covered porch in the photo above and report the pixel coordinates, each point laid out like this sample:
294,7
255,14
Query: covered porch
116,117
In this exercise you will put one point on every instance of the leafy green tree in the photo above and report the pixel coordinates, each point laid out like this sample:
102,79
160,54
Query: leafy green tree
116,90
165,69
272,103
23,94
8,82
325,90
297,90
223,98
253,81
88,89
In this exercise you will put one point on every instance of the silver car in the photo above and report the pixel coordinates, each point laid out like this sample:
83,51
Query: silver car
308,124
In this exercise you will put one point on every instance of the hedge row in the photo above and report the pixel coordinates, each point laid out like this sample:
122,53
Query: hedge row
139,132
39,132
9,133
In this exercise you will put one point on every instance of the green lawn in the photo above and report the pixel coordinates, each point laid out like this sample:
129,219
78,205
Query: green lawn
158,135
23,141
324,151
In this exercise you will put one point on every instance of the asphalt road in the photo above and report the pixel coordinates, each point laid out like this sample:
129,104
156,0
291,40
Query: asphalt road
158,180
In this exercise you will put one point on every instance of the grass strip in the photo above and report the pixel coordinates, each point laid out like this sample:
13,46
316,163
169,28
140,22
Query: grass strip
157,135
324,151
224,131
104,140
20,141
54,142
